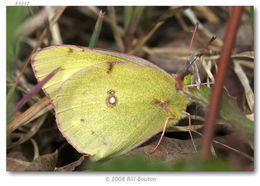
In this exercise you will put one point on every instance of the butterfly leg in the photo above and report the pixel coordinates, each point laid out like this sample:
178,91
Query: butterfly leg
188,114
164,129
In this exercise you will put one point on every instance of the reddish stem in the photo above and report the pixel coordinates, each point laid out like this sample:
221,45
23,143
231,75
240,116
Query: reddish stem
215,98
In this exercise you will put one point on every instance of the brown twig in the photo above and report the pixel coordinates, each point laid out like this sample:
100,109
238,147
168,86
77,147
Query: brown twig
114,27
192,17
141,41
224,60
38,109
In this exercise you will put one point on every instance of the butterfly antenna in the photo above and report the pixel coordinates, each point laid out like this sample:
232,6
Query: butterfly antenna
199,84
164,129
200,54
191,42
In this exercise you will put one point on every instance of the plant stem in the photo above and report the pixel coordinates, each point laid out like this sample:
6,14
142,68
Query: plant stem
95,35
230,37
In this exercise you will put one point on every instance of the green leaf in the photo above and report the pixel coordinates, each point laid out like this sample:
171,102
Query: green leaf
200,164
128,12
188,79
252,17
96,32
139,163
15,16
228,112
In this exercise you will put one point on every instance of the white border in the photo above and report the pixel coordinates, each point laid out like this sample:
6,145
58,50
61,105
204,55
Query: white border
88,178
136,2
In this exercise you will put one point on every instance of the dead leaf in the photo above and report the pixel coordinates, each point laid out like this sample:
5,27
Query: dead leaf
16,165
170,149
45,162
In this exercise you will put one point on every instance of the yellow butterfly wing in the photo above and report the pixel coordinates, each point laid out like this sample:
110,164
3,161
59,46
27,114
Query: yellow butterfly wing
107,109
69,59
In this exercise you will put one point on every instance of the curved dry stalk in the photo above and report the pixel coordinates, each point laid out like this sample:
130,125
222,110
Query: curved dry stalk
115,28
245,83
208,14
207,67
36,149
55,31
193,18
141,41
35,111
24,137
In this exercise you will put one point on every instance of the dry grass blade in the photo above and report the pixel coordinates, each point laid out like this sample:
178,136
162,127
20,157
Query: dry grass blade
115,28
167,50
208,14
24,85
207,67
24,137
141,41
245,82
245,58
245,63
183,128
182,22
55,31
246,54
189,13
35,111
251,117
36,149
172,11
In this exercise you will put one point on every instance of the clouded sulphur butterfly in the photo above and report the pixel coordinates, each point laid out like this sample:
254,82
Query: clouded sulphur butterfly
107,103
